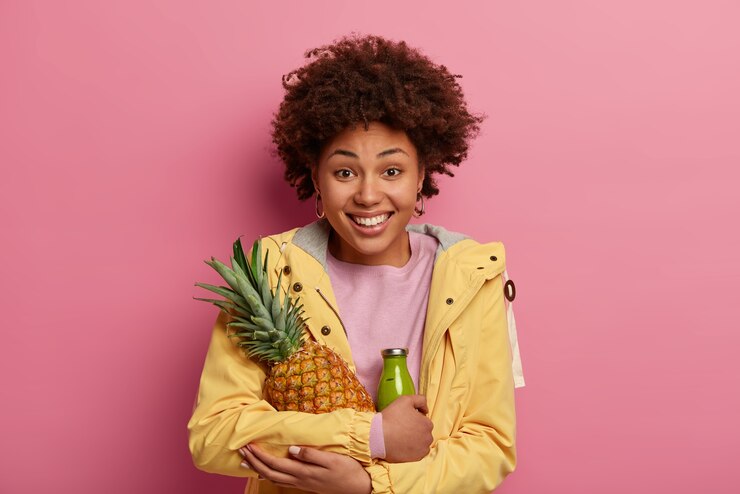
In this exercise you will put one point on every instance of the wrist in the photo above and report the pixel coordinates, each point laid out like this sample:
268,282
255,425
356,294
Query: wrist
377,439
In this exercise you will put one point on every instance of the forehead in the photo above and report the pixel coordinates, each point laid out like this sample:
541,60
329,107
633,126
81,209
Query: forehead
378,137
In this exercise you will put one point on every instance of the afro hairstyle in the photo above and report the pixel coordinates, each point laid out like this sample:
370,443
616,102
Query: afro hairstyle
369,78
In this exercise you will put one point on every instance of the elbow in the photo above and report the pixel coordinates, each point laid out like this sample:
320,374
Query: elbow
502,463
200,461
213,458
199,453
506,465
509,463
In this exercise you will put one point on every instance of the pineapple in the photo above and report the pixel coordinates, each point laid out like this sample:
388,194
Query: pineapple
303,375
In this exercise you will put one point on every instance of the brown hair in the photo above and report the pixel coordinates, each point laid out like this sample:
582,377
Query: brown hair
369,78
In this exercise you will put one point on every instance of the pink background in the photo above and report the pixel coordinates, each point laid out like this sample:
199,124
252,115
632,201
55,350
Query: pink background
134,144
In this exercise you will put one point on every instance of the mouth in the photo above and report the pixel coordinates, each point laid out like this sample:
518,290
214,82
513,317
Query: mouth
371,221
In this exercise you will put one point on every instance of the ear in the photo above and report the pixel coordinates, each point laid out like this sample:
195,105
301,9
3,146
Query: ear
315,176
420,181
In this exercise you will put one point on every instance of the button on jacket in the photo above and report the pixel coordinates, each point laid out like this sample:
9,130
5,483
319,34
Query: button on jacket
469,369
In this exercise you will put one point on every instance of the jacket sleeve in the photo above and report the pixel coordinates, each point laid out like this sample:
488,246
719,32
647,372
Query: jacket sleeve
230,412
477,456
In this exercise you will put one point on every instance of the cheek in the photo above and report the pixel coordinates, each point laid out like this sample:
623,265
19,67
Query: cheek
332,200
408,198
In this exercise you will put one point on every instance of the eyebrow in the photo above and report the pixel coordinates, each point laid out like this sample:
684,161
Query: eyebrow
350,154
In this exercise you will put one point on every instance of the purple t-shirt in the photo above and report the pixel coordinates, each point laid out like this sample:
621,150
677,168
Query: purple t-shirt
384,307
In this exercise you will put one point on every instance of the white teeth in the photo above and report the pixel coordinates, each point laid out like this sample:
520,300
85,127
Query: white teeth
375,220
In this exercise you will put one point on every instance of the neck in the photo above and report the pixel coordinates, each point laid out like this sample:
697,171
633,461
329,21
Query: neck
396,255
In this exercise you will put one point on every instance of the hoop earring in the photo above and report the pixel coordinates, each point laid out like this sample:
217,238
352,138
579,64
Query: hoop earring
419,211
318,198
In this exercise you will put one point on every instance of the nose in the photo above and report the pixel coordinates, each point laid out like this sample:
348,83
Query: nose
369,192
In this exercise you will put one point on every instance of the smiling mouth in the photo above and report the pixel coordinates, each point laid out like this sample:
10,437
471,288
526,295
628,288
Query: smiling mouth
372,221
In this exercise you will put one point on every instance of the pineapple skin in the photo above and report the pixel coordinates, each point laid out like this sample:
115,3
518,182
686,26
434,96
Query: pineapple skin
315,380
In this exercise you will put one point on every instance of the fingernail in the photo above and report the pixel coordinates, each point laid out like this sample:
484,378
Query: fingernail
294,450
246,465
243,451
249,447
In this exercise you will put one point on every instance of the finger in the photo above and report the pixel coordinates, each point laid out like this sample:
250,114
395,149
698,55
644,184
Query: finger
294,467
266,471
420,403
310,455
244,463
287,465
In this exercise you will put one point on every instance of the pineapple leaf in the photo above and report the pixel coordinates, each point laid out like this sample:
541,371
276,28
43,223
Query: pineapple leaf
227,274
285,347
245,325
282,317
261,336
264,266
263,323
257,307
275,300
266,293
239,272
240,260
245,336
239,254
294,316
238,318
256,258
214,301
224,292
248,291
224,305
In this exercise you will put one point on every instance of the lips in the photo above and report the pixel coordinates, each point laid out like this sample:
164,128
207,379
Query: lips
370,221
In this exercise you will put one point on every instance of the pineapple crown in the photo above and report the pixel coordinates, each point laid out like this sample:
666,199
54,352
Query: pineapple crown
267,328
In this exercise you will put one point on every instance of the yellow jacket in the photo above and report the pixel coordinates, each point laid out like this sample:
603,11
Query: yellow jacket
466,375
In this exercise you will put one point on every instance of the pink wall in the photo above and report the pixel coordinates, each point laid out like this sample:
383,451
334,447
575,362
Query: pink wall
133,143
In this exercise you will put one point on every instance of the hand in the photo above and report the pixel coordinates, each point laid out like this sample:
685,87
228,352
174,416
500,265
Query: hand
309,469
407,431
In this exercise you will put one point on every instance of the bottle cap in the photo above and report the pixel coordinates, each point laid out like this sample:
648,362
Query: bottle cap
394,352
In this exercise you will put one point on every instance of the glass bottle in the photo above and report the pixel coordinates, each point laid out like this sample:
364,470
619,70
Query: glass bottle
395,379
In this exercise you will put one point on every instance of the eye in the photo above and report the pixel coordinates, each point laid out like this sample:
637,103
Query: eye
393,172
343,173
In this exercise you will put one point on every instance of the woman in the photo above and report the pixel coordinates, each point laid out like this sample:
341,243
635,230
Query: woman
363,128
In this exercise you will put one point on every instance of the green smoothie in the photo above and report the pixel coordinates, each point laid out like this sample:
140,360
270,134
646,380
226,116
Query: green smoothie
395,380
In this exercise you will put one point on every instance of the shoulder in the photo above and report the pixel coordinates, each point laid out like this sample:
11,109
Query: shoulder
301,244
307,234
464,252
471,251
278,240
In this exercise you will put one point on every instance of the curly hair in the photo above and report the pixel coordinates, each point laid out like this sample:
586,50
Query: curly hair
369,78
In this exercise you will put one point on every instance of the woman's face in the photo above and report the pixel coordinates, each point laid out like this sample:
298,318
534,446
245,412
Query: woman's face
368,181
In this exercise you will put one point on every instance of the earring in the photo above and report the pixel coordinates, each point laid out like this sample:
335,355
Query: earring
318,198
419,211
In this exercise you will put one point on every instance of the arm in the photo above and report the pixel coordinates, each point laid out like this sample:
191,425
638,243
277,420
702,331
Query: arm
231,413
481,451
329,473
309,470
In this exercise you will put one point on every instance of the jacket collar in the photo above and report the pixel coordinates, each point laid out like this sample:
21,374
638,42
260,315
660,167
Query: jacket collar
314,238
